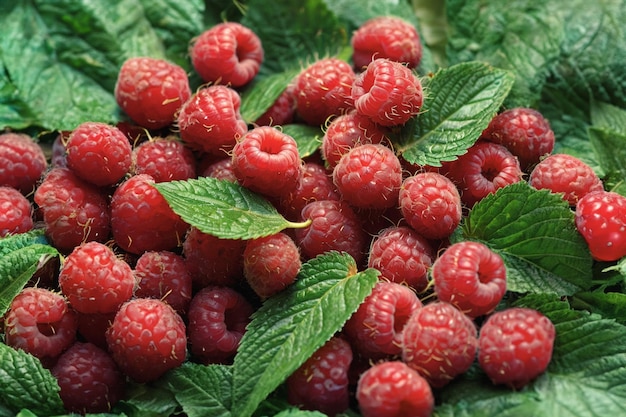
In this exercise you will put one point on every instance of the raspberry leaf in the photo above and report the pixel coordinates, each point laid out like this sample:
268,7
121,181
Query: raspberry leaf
308,138
459,103
534,232
223,209
259,96
26,384
292,325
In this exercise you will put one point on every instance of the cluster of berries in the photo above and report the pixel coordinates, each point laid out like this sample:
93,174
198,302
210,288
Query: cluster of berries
140,291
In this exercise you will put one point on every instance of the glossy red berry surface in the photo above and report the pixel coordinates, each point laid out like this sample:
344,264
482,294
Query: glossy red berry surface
16,212
515,346
164,159
22,162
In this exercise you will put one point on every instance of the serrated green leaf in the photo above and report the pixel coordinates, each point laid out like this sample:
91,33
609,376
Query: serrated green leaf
26,384
610,147
534,232
610,305
292,325
459,103
147,400
223,209
308,138
202,390
259,96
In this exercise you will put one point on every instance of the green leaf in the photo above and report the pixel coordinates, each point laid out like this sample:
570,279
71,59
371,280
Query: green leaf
459,103
610,146
292,325
534,232
262,93
607,304
308,138
25,383
20,257
202,390
147,400
223,209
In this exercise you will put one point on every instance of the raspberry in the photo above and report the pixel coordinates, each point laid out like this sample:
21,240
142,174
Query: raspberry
403,256
271,263
16,212
211,260
323,90
141,218
430,204
74,211
267,161
89,379
282,111
321,383
99,153
40,322
334,226
515,346
346,132
95,280
22,162
221,169
146,339
566,174
164,275
92,328
228,53
375,329
386,37
439,342
471,277
387,92
524,132
393,389
601,220
150,91
164,159
485,168
369,177
210,120
314,185
218,317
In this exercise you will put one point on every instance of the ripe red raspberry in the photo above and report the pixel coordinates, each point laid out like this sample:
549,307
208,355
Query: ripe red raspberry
393,389
515,346
369,177
218,317
430,204
601,220
164,159
314,185
375,329
566,174
321,383
151,90
40,322
403,256
471,277
282,111
267,161
323,90
164,275
92,328
271,263
210,120
227,53
346,132
524,132
89,379
387,92
485,168
95,280
99,153
212,260
221,169
334,226
386,37
16,212
141,218
74,211
439,342
22,162
146,339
